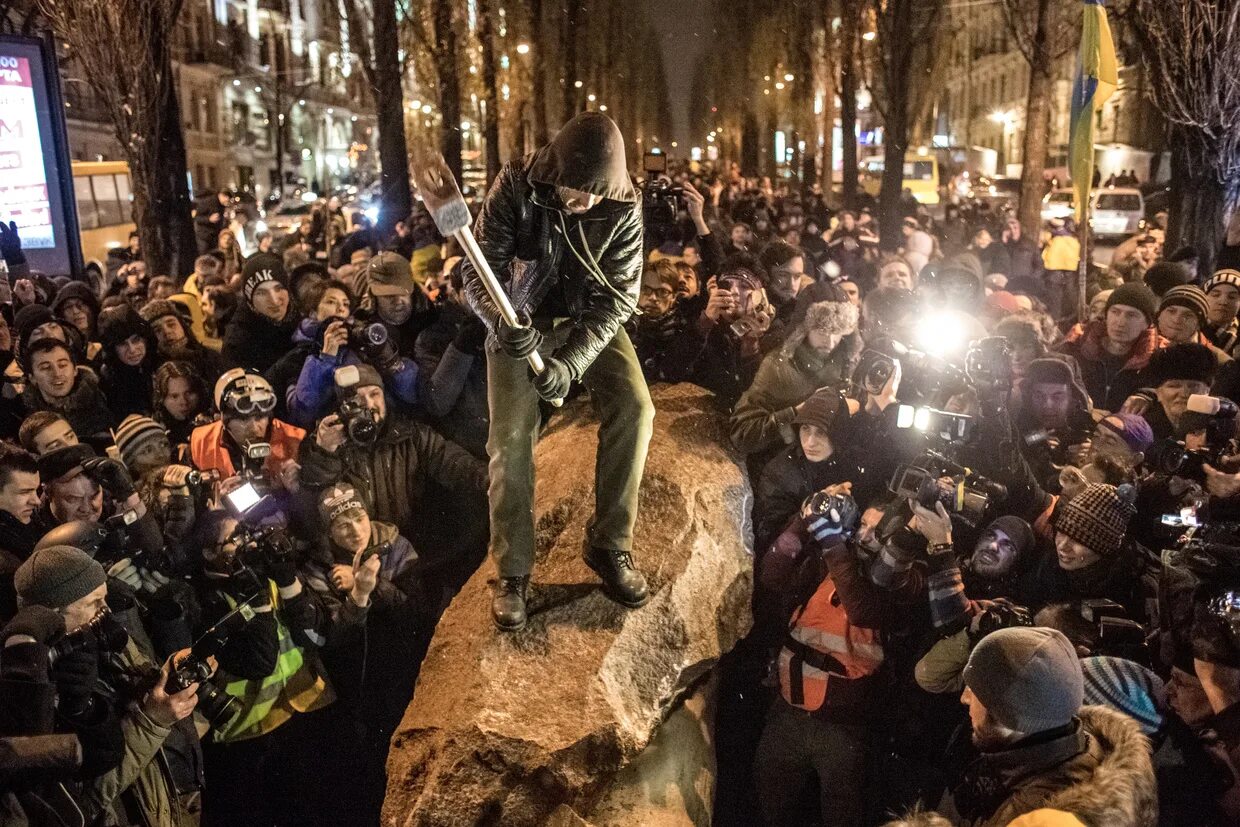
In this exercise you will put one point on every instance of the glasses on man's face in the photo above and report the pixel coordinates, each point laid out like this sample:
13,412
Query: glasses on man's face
662,293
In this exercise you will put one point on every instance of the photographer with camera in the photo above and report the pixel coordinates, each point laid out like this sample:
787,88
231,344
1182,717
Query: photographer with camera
428,487
341,339
264,760
104,681
246,442
1052,415
729,333
820,351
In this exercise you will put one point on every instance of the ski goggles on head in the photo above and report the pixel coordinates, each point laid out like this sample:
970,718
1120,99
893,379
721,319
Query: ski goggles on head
249,399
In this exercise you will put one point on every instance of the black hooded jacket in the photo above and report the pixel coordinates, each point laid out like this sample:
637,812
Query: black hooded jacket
254,341
128,387
587,266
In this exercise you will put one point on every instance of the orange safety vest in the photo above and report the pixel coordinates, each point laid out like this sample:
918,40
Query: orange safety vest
825,653
206,447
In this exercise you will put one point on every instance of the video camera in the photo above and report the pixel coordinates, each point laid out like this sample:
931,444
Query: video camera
216,705
1173,458
1118,635
661,201
934,477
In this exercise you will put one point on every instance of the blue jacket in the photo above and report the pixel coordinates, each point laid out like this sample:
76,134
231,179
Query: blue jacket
311,398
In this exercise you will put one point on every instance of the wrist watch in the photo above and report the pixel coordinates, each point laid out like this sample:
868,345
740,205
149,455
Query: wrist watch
940,548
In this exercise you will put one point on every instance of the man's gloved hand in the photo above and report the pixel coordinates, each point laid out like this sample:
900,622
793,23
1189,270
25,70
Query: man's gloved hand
11,244
281,568
75,674
136,577
39,623
517,342
470,336
554,381
112,475
830,517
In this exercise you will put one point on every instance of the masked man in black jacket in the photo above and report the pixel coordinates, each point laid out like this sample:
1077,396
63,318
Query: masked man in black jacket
563,228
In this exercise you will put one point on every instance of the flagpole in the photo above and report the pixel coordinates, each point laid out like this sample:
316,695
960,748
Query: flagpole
1082,271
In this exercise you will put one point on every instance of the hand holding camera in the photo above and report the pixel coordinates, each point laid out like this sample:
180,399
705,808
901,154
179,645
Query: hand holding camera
112,476
935,526
720,303
75,673
166,708
330,434
334,338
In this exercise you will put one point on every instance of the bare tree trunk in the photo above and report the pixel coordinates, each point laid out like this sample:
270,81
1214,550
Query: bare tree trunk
751,157
848,101
490,96
166,218
396,200
568,47
538,73
829,61
1033,150
1199,203
449,87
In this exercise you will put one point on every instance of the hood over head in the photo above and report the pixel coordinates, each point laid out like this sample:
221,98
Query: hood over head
587,155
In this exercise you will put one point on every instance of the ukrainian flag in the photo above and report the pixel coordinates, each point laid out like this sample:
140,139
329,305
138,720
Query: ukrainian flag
1097,74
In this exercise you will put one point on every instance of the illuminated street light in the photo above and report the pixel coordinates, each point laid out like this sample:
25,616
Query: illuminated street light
602,107
236,82
417,104
426,108
591,97
578,84
1002,116
523,48
869,36
779,84
789,77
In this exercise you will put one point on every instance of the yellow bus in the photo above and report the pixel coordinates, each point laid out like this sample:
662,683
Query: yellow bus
104,206
921,176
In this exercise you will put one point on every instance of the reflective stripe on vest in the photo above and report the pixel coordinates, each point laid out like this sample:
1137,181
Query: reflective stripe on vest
294,686
207,449
824,647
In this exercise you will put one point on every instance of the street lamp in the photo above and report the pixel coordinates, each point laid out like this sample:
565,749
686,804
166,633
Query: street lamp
1006,119
523,48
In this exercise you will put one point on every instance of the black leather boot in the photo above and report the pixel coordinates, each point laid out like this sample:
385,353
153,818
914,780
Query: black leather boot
508,605
621,582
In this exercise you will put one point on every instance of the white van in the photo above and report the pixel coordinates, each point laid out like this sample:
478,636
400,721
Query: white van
1117,212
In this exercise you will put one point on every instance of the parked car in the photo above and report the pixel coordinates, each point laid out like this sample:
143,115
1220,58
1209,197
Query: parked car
997,192
1117,212
1059,203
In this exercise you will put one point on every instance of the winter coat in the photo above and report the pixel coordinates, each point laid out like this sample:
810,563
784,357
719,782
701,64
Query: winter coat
994,259
1116,577
254,341
209,450
542,252
1062,253
454,383
392,475
1025,261
128,387
206,230
786,481
311,397
666,346
1109,380
86,408
787,377
1099,771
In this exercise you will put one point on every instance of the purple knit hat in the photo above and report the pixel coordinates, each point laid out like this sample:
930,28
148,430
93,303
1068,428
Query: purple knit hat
1135,431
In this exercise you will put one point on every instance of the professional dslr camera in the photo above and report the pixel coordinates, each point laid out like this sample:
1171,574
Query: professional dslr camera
103,628
935,478
1171,457
217,706
361,424
661,201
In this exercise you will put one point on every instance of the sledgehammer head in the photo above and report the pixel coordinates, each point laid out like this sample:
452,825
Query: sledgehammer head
441,194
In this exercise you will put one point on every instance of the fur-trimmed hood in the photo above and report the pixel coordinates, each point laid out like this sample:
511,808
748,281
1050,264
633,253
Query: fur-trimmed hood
1084,341
1110,783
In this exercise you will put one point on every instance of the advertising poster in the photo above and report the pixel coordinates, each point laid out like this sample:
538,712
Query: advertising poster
23,177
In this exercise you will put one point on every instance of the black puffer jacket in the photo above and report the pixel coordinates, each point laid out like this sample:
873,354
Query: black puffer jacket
254,341
392,475
587,267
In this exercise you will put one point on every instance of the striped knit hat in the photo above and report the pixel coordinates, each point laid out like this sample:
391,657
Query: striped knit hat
1187,295
1126,687
134,432
1224,276
1097,518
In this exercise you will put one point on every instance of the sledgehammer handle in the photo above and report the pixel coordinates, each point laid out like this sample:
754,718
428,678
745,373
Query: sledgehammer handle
465,237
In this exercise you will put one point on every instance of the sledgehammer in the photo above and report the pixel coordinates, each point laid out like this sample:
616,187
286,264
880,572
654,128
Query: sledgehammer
447,207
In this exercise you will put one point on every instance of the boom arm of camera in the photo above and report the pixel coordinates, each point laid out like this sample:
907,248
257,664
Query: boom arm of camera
447,207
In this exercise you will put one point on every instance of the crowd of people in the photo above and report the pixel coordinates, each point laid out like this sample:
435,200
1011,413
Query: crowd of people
995,547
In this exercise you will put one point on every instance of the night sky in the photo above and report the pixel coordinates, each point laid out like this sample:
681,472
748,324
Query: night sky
687,33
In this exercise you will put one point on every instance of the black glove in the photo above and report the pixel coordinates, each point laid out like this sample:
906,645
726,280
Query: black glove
75,674
112,475
470,336
282,568
11,244
39,622
554,381
517,342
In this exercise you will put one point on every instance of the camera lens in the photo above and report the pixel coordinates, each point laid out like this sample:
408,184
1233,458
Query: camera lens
216,705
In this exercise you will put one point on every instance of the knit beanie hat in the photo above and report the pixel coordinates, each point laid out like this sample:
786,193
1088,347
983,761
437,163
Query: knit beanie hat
56,576
30,317
351,377
1224,276
1126,687
1186,295
79,290
60,463
337,500
1098,517
1019,532
1132,428
1165,275
134,432
1188,361
1135,294
261,268
1028,678
823,410
159,308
